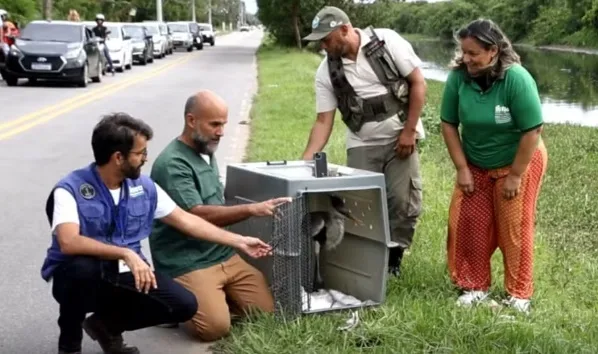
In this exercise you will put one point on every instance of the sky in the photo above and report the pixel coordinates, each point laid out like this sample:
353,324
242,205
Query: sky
250,6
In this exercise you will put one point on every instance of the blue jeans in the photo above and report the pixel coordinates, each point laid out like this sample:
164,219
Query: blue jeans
87,284
107,55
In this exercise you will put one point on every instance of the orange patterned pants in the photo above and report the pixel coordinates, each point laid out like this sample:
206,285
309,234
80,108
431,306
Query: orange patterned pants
480,223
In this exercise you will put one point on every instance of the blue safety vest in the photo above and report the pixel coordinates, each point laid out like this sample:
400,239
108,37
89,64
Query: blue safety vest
125,224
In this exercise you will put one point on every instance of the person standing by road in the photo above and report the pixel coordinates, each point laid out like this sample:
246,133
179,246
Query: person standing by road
74,16
2,44
372,76
99,215
500,160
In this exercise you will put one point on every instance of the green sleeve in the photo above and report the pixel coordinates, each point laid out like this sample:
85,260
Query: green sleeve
449,107
178,181
524,100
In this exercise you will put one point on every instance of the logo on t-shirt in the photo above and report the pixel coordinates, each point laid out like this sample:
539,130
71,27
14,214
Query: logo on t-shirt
502,114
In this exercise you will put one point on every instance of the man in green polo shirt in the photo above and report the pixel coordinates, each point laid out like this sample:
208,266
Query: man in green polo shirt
187,170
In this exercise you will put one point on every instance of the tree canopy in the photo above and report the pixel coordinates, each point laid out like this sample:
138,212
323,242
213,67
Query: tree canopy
573,22
23,11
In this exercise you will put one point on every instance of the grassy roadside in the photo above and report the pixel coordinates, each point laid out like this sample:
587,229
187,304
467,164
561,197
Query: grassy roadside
420,315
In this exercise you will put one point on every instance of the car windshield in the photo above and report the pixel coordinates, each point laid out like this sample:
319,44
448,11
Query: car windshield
51,32
178,27
205,27
114,32
134,31
153,30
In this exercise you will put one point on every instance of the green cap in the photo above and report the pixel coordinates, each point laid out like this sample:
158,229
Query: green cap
326,21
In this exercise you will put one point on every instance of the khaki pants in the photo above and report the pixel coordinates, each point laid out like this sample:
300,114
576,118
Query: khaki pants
233,282
403,186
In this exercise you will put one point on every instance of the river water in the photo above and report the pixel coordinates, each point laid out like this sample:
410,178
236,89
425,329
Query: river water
567,81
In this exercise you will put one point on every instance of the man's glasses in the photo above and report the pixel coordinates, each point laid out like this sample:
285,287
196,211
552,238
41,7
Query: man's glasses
142,152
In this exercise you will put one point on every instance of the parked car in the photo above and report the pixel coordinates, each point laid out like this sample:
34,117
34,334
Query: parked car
182,35
55,50
119,45
141,41
165,33
207,33
159,38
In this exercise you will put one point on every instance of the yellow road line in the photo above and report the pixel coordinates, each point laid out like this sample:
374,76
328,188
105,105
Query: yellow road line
91,93
97,94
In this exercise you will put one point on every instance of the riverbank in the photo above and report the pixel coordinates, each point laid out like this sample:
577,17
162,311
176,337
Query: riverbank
558,48
420,314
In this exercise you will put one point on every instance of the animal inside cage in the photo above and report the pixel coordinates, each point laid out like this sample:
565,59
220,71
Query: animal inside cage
330,244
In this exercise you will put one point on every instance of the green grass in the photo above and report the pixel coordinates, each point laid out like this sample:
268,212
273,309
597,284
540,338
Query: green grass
419,314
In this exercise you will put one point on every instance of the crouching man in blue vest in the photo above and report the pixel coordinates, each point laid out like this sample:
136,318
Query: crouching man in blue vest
99,215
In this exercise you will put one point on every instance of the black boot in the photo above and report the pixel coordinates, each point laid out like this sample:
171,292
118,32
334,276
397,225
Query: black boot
110,343
395,257
62,351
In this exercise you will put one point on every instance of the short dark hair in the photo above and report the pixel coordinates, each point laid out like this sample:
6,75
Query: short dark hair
116,132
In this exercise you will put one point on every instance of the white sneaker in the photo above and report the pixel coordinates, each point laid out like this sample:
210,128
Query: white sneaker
470,298
521,305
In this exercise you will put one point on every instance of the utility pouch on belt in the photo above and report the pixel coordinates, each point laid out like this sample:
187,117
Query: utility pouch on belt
355,110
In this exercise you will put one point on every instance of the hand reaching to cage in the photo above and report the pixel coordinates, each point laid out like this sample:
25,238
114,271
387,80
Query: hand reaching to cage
254,247
268,207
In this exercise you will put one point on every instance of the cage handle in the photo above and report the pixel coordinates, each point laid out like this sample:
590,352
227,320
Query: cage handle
274,163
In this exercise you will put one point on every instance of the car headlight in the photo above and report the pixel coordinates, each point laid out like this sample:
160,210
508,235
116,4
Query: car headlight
15,51
73,53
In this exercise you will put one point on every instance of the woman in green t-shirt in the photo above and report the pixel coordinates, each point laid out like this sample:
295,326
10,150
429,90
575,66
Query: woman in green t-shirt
500,161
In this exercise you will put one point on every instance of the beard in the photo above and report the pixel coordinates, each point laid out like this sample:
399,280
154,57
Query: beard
204,145
132,172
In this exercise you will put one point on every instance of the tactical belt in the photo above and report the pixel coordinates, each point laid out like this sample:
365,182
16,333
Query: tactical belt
379,108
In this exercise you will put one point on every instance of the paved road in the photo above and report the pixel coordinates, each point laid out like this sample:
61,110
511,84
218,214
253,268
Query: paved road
38,145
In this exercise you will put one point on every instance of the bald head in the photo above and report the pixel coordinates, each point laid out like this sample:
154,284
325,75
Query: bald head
206,103
206,113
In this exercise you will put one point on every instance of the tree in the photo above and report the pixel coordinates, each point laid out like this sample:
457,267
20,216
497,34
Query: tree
47,9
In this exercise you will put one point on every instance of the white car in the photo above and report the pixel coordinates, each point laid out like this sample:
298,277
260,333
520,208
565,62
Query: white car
119,45
207,32
181,35
164,32
159,32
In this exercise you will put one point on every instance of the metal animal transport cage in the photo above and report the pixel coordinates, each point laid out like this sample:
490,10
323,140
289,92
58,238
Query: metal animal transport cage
355,271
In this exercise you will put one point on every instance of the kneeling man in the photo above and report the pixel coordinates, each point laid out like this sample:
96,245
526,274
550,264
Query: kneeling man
188,172
99,215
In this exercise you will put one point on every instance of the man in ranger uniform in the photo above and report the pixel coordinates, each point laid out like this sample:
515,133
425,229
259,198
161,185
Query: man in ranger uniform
373,78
